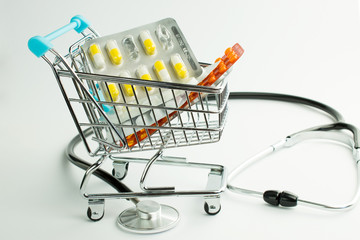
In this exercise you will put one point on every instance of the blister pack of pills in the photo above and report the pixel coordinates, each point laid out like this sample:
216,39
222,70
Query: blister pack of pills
221,67
154,52
147,49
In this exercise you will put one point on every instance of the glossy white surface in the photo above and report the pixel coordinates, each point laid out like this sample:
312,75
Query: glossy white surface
306,48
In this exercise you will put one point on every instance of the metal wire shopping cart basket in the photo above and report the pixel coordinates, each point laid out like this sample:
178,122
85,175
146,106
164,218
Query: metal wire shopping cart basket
197,118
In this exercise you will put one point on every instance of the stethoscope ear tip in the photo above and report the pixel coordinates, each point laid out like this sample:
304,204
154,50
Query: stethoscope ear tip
284,198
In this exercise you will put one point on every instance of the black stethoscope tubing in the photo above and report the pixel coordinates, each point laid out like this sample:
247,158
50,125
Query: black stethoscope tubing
121,187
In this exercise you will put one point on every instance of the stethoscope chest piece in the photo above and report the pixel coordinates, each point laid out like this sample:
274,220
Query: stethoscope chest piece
148,217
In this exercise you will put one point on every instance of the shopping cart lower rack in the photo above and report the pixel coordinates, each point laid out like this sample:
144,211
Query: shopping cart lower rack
187,115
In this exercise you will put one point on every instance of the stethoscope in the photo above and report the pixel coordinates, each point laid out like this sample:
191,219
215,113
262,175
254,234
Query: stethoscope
333,132
329,132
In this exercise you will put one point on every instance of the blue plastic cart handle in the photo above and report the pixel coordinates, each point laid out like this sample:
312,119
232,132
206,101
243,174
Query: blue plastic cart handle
40,45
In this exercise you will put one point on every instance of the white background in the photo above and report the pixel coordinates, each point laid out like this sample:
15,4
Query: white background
306,48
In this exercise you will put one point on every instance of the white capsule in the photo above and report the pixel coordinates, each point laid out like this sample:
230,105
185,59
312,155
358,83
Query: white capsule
161,72
114,92
147,42
128,90
113,51
143,73
96,56
179,66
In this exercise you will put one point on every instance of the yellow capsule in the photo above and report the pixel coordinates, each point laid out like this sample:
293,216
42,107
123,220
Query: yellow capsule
146,77
180,70
96,56
179,66
114,92
144,74
161,71
113,51
94,49
127,87
159,65
128,90
148,43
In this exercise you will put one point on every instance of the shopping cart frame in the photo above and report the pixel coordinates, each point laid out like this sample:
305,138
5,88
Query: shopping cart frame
76,73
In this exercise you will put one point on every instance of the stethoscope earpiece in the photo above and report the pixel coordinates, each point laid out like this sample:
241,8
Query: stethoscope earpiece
331,132
284,198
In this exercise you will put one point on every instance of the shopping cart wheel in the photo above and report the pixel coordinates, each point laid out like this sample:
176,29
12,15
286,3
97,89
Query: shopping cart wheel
95,211
120,170
212,206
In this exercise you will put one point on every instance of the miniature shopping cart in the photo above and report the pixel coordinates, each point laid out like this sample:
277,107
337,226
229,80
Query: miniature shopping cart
199,119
